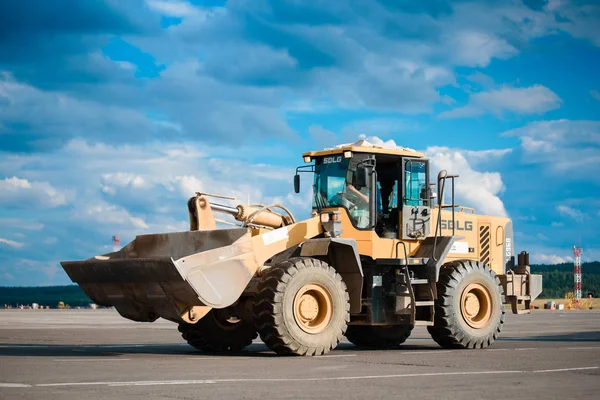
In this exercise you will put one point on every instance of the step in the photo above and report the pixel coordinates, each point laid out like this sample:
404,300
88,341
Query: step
419,281
424,303
423,323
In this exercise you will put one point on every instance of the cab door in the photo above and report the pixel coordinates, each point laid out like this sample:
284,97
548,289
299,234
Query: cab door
416,207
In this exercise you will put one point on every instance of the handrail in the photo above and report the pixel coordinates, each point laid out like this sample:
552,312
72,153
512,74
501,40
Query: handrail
459,208
405,252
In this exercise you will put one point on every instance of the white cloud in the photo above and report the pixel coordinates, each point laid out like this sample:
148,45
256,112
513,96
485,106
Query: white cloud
179,226
445,99
134,189
579,19
350,63
527,218
8,276
476,189
103,213
323,138
476,48
50,240
571,212
378,141
271,172
20,223
536,99
124,179
538,258
555,224
60,115
481,80
126,65
188,185
17,192
559,132
12,243
173,8
384,82
482,157
379,127
50,269
562,146
112,181
595,94
543,237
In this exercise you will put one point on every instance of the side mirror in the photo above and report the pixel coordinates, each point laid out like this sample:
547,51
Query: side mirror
361,178
297,183
441,177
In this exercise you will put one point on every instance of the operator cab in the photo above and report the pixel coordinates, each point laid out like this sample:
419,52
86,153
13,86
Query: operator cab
349,176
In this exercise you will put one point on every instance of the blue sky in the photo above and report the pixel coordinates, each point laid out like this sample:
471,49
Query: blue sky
113,113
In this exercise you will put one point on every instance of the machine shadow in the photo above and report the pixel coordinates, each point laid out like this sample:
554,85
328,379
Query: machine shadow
258,350
593,336
103,350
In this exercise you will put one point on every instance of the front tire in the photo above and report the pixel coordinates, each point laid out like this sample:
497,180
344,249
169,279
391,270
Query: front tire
302,307
469,312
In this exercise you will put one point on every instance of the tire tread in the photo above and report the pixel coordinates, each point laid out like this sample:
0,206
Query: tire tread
446,331
268,307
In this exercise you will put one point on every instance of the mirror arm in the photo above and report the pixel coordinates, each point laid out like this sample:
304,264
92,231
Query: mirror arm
297,175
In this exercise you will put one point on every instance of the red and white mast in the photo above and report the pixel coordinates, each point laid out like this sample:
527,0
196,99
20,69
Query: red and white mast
577,251
116,243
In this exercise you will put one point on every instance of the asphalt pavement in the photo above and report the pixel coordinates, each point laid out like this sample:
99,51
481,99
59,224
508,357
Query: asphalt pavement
96,354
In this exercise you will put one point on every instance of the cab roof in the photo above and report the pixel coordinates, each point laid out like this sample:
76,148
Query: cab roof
363,146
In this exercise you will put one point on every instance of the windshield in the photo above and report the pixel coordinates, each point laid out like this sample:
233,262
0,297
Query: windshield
334,188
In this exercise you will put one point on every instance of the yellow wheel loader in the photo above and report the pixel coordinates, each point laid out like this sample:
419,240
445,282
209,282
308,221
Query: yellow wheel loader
380,254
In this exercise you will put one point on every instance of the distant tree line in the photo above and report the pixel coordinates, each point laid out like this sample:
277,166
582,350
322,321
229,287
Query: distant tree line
44,295
558,279
557,282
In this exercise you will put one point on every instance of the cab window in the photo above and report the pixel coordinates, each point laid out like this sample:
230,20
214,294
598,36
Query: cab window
415,181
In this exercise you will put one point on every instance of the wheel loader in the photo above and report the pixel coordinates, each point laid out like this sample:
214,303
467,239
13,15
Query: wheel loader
380,254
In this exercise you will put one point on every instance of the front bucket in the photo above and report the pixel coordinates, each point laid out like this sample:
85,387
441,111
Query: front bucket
163,275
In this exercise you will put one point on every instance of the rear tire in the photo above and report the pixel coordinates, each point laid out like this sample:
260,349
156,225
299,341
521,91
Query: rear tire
469,312
216,332
381,337
301,307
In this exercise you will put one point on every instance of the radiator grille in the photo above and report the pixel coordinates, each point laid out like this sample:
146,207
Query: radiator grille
484,244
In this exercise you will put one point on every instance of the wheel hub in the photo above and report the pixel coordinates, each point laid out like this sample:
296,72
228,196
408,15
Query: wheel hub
476,305
313,308
309,307
472,305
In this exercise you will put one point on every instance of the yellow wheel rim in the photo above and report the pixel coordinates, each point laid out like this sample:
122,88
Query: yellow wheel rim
476,305
313,308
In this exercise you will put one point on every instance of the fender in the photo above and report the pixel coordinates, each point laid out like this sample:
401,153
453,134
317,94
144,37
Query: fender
436,249
343,256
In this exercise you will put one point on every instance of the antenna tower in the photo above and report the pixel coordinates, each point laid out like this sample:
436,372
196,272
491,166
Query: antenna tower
116,243
577,251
